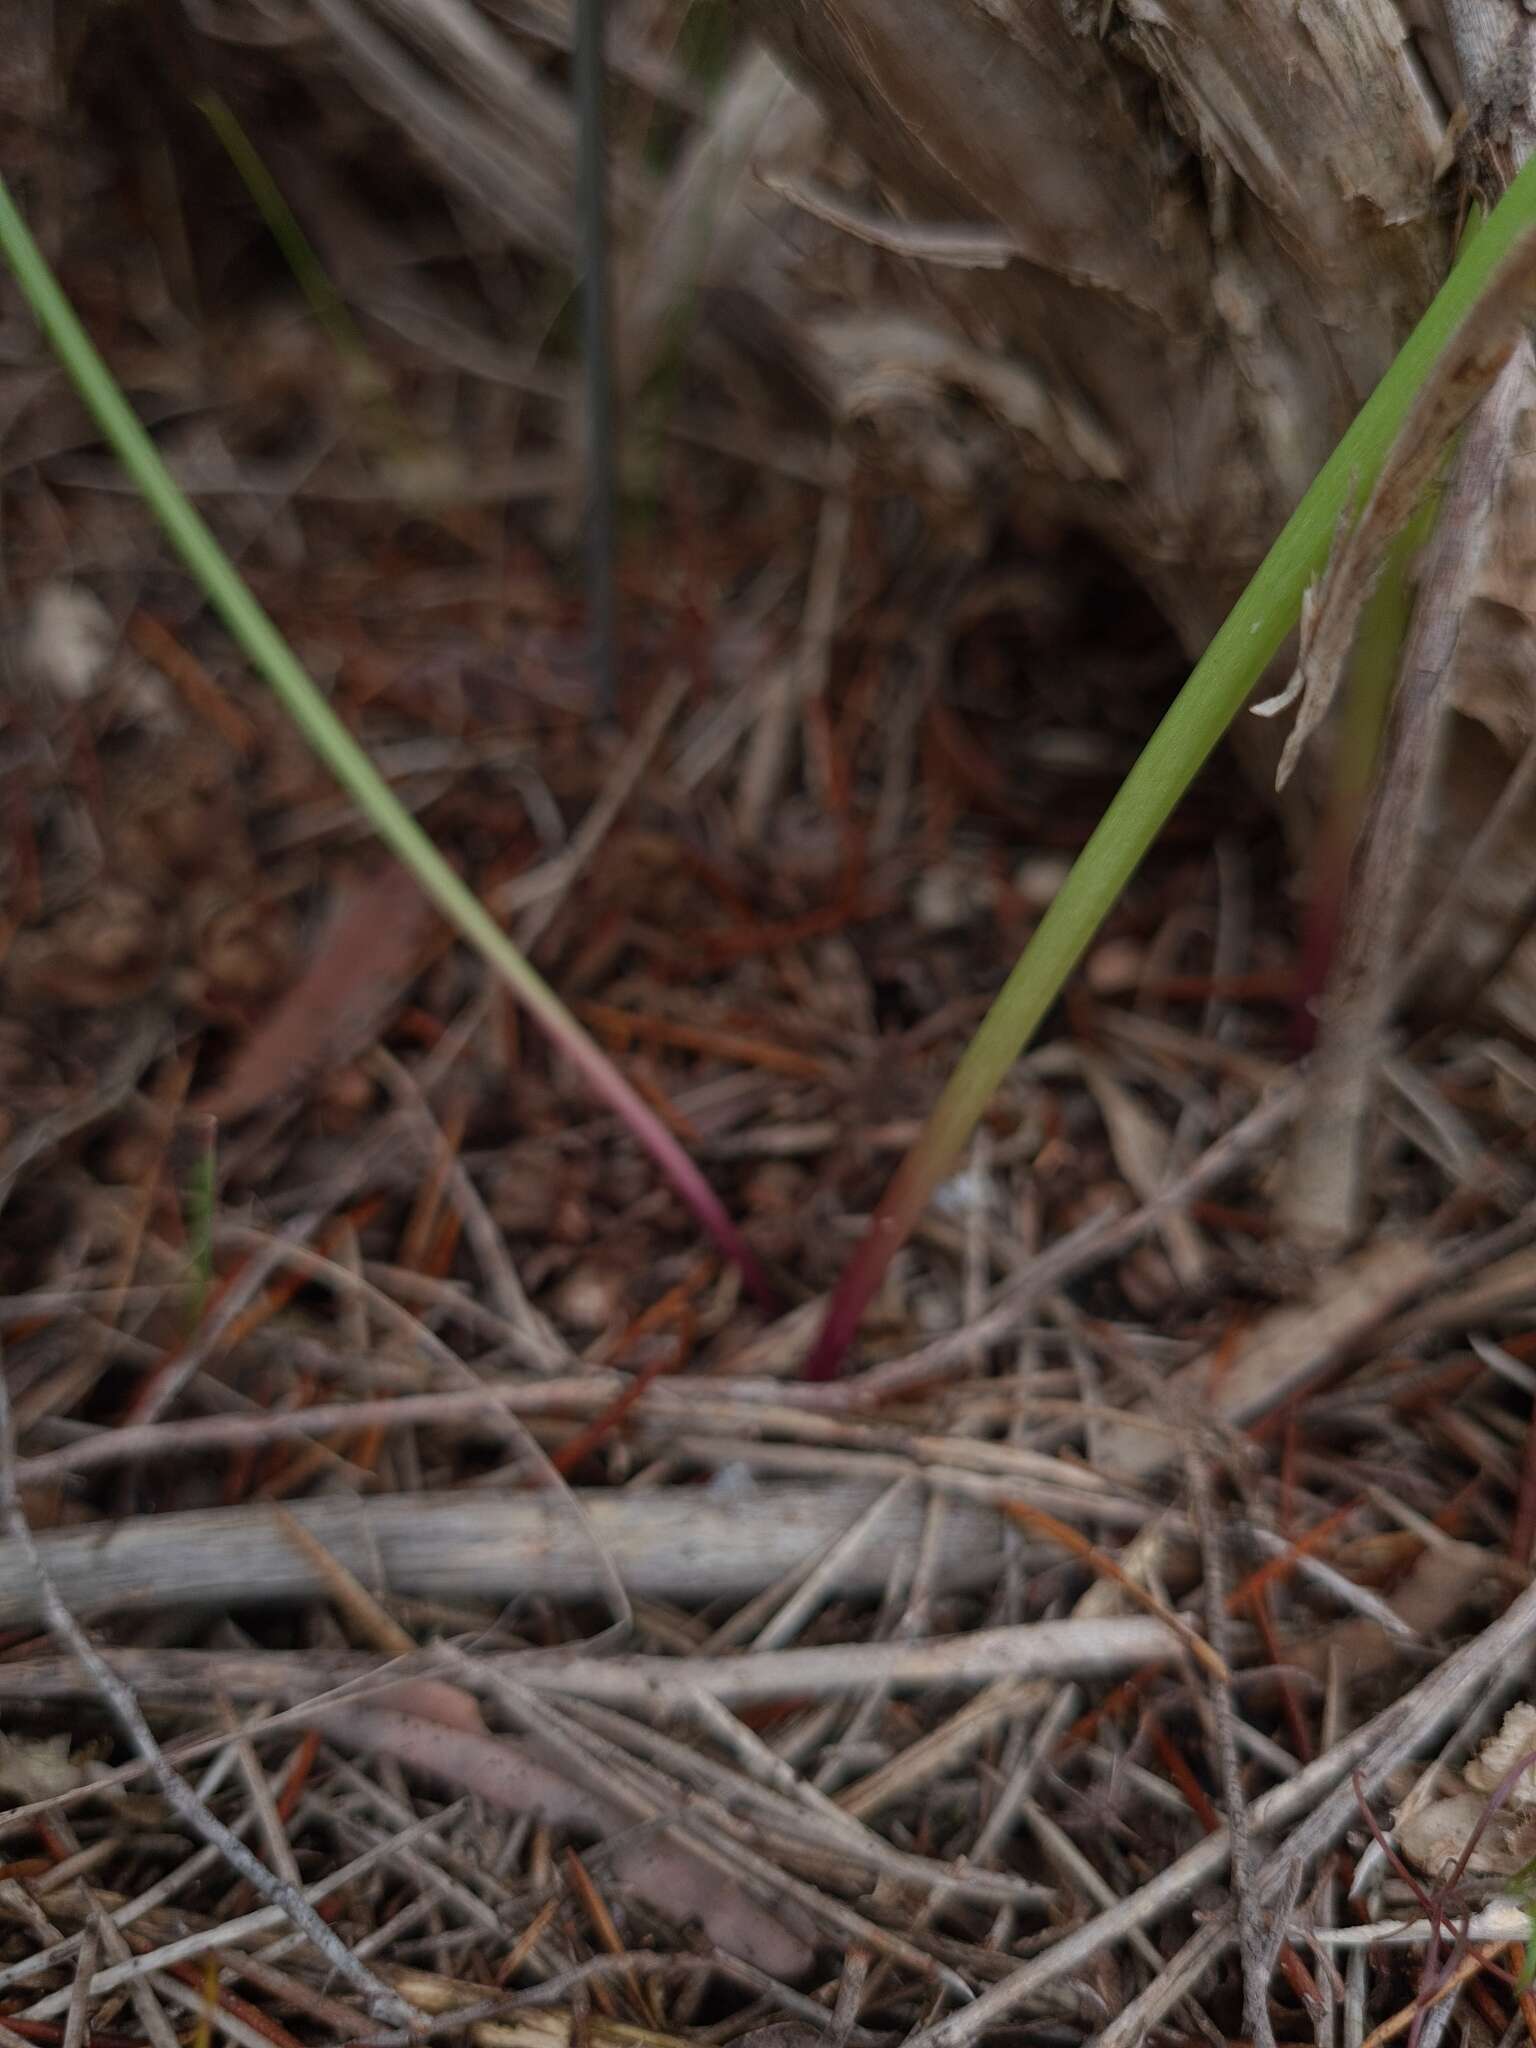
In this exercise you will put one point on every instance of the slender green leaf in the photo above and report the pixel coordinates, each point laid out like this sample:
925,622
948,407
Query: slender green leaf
1216,691
271,655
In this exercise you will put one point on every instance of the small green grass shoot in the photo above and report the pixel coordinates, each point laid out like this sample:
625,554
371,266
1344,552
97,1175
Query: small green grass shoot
272,657
1218,687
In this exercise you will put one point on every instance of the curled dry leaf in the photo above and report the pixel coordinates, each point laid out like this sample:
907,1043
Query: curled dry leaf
1498,1756
1438,1836
1433,1838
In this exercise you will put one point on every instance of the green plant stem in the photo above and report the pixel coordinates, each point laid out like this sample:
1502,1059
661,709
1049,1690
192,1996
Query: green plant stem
271,655
599,376
325,302
1216,691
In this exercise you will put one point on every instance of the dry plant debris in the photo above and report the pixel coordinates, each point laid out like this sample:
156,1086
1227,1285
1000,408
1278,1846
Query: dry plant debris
1123,1650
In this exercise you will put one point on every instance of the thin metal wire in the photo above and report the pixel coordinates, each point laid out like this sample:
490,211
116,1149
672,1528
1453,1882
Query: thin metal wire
601,515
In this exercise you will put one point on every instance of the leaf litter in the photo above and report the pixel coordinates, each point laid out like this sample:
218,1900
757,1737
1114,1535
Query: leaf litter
468,1548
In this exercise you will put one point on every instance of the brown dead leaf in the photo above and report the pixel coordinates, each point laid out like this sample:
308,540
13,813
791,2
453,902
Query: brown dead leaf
1459,1829
1430,1600
512,1776
1435,1838
363,957
1498,1756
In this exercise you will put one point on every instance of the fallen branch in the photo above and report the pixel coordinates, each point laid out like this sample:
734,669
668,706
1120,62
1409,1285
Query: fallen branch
672,1544
1046,1649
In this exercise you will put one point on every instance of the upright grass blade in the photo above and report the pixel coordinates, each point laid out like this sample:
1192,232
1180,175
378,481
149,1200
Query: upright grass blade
260,640
1214,694
329,308
597,356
